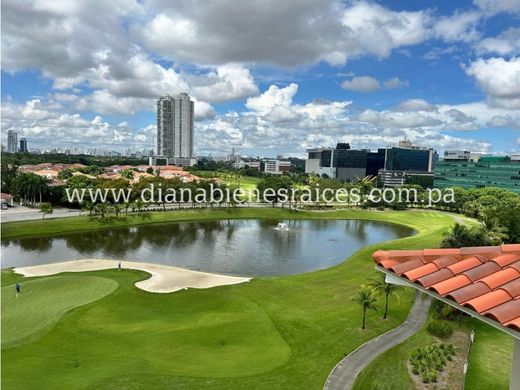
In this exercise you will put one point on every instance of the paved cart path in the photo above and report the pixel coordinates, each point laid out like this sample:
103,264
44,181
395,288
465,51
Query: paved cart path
342,377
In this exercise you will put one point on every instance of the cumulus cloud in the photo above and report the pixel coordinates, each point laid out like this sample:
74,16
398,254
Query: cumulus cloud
42,121
506,43
369,84
274,122
461,26
415,105
499,78
302,32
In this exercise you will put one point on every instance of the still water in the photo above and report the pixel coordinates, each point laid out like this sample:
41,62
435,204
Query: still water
237,247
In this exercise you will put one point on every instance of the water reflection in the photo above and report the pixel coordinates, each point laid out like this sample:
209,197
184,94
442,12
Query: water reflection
242,247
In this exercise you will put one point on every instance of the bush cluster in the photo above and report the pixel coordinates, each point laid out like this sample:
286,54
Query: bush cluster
439,328
428,361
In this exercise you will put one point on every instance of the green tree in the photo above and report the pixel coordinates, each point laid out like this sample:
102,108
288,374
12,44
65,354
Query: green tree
29,185
366,298
127,174
88,206
380,285
271,187
9,172
46,208
103,210
65,174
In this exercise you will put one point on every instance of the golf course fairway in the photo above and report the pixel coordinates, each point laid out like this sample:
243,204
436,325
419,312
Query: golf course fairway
271,333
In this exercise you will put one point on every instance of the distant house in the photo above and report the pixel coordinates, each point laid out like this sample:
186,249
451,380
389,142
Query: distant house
6,198
47,173
83,174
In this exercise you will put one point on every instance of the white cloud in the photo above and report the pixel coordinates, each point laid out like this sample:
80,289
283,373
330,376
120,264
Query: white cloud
415,105
395,82
499,79
274,96
504,121
496,6
42,123
369,84
507,43
461,26
361,84
227,82
378,30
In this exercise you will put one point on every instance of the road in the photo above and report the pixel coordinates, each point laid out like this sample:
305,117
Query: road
22,213
342,377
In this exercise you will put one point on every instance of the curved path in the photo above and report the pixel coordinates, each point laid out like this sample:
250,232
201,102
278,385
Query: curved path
342,377
163,279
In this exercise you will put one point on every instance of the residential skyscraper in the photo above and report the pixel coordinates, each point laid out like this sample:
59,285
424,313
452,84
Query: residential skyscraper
23,145
12,141
175,127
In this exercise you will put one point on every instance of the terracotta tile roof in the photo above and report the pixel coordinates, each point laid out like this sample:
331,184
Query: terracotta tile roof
483,279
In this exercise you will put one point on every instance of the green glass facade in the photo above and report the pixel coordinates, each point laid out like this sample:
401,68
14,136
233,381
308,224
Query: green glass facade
501,172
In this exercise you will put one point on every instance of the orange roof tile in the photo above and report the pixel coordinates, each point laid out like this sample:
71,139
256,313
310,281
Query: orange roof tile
406,266
451,284
504,260
512,287
464,265
514,324
387,263
484,279
435,277
416,273
505,312
488,300
482,270
471,291
500,277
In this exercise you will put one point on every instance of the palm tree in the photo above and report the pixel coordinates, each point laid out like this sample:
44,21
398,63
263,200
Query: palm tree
88,206
117,208
491,226
366,298
380,285
103,209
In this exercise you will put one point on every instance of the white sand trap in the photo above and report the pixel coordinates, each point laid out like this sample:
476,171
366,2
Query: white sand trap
164,279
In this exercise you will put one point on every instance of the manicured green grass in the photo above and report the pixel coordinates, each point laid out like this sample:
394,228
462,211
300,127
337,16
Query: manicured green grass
43,301
278,332
490,359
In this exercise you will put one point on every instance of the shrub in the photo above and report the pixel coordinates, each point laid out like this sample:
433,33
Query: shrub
439,328
428,361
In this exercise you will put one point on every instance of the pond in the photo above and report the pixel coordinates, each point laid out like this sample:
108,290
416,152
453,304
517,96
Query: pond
237,247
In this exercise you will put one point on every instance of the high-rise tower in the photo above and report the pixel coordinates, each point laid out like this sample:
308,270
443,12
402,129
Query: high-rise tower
175,126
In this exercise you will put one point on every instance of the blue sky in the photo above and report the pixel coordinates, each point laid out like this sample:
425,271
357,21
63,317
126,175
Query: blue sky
267,78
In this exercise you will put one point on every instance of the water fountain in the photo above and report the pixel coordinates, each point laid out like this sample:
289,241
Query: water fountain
282,226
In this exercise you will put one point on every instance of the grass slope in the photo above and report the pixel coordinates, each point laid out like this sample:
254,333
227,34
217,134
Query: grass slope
279,332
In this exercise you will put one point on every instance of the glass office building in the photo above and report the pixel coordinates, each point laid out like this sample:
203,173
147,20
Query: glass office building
501,172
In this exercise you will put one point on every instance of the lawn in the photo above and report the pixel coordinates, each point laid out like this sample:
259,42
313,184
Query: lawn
489,366
277,332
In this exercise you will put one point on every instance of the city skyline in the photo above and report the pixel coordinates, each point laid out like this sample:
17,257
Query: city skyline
368,73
